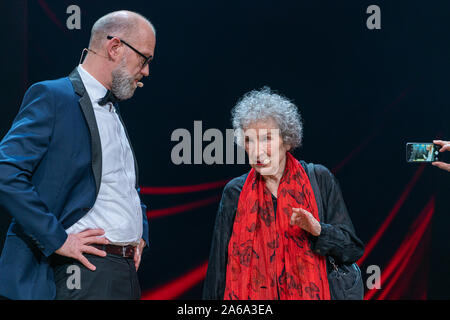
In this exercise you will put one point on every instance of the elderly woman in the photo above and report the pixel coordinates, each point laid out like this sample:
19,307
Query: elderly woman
268,240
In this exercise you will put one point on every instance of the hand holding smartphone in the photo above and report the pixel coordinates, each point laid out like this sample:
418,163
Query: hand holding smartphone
445,146
424,152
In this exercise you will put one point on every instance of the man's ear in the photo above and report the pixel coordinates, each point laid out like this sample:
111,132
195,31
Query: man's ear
114,49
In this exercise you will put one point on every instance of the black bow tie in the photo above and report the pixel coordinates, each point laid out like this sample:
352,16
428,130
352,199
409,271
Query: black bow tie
109,97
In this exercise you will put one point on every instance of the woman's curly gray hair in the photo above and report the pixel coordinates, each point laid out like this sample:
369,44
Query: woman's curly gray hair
265,104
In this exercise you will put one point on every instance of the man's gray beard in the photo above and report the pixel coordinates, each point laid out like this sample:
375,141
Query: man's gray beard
122,82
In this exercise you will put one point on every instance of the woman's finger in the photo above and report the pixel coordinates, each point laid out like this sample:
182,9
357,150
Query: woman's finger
293,218
305,212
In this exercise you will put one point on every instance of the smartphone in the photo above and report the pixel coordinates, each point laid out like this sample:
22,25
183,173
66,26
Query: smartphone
422,152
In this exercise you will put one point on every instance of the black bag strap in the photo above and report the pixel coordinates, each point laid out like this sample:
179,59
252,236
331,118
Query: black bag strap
317,192
318,195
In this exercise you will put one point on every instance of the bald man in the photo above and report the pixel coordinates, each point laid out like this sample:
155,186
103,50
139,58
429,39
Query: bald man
68,175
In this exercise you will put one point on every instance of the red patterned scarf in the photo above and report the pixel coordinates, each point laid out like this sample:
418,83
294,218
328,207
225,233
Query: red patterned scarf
267,257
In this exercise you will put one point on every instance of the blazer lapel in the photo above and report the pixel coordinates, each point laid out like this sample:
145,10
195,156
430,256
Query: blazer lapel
88,112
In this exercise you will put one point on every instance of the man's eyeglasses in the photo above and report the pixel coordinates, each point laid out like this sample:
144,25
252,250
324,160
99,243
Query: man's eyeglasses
146,59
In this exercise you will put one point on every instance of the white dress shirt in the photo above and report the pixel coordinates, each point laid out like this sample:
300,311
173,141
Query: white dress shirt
117,209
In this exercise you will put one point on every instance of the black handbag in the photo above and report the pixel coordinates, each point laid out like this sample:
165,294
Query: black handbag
345,281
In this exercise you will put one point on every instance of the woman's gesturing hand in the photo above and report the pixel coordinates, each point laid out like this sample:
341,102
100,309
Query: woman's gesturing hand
306,221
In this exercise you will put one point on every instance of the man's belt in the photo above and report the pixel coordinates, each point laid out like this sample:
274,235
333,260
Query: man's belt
123,251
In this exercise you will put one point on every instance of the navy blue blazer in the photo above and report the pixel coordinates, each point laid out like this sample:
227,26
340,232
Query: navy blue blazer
50,172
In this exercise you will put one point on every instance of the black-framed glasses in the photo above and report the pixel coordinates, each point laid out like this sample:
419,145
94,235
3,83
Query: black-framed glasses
146,59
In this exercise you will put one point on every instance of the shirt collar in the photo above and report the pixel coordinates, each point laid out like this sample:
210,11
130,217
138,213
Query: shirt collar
94,88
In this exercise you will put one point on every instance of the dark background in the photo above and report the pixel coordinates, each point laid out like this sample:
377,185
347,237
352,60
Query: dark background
362,93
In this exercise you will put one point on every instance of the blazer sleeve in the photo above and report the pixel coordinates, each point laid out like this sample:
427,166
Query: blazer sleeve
21,151
337,237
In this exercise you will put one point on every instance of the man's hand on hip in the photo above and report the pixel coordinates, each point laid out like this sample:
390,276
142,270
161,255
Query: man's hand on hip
138,253
79,243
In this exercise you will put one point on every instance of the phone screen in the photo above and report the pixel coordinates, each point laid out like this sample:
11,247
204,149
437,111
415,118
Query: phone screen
421,152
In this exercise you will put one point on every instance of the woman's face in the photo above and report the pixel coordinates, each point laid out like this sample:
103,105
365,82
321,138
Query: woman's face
264,146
